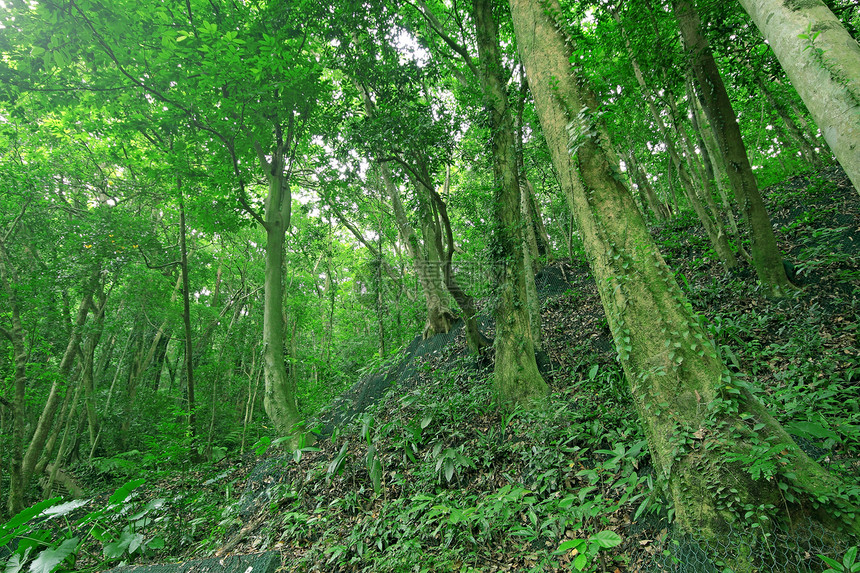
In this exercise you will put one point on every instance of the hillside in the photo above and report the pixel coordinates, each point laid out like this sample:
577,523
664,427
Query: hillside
417,469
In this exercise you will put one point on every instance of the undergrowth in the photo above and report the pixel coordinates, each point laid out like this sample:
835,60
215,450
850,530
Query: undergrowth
436,477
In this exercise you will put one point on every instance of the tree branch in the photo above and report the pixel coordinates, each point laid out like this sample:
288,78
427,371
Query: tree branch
436,26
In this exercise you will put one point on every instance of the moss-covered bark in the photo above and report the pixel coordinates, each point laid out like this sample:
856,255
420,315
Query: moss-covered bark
766,257
708,437
279,389
822,61
516,375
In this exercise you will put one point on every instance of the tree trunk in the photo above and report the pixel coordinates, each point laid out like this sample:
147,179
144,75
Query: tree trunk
428,266
279,390
822,61
544,244
716,234
475,340
95,440
654,204
16,337
694,414
516,375
186,323
46,420
796,133
439,316
766,257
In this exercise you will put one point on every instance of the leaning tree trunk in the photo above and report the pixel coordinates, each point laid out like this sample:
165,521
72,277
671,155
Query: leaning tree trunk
822,61
695,415
517,378
766,256
46,419
713,227
475,340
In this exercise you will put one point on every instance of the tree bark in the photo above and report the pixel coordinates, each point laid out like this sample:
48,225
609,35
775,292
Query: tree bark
824,68
16,337
46,419
279,390
516,375
766,257
693,412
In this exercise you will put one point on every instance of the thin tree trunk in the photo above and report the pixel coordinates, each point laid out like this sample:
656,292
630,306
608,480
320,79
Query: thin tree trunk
766,256
716,234
186,323
809,154
428,268
46,420
475,340
95,440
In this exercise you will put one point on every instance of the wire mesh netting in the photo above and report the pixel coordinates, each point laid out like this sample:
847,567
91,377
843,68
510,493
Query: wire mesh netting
796,550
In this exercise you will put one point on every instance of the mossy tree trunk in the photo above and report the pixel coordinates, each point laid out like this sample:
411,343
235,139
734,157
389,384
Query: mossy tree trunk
822,61
279,389
516,375
703,429
766,257
713,226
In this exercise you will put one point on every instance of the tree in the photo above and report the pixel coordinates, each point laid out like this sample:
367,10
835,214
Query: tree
516,375
766,257
822,61
695,414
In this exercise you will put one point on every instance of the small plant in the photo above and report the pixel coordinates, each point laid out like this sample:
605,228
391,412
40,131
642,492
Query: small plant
584,551
849,563
449,461
30,537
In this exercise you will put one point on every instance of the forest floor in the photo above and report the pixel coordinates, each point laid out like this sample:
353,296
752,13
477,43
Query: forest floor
432,476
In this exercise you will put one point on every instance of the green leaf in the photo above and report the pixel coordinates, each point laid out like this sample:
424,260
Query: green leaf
849,558
16,563
64,508
49,559
578,544
449,469
832,562
606,538
580,561
156,542
127,541
11,528
810,430
122,493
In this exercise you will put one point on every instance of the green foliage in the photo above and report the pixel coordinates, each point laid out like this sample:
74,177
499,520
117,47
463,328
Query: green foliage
122,528
585,550
849,563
